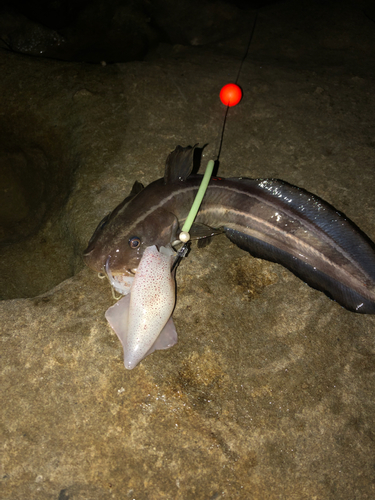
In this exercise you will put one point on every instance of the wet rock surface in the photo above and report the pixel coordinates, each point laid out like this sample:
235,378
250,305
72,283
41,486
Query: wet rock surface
269,392
115,30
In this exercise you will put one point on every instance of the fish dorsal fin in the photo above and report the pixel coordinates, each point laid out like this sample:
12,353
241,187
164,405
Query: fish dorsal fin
137,188
179,164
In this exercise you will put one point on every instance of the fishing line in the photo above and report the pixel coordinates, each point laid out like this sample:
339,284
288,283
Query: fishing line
236,96
222,133
248,45
230,95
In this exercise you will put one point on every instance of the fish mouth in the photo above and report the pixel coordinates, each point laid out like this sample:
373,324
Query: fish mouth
119,281
118,272
126,272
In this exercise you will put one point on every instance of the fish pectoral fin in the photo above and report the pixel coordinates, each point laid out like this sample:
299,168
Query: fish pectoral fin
179,164
204,242
166,339
199,231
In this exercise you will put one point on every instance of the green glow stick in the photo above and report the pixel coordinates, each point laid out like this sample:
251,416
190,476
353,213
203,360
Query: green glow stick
199,197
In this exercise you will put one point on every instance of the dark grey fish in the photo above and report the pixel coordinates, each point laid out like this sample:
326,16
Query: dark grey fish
269,218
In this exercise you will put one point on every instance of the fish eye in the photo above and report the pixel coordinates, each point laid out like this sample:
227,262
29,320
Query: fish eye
134,242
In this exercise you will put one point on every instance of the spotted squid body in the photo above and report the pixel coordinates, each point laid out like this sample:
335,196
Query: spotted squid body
142,319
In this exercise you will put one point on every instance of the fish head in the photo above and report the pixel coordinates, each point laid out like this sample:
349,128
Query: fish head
120,242
141,220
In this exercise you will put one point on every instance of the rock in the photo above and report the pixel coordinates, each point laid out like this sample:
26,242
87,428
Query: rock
115,30
269,392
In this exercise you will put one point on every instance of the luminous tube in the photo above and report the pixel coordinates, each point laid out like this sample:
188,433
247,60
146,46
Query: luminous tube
199,197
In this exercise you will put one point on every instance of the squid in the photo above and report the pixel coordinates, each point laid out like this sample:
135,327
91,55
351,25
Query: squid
142,318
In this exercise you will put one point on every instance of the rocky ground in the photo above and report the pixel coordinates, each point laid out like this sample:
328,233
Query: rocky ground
269,393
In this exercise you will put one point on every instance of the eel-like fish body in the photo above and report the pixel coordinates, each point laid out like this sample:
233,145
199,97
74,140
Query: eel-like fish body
269,218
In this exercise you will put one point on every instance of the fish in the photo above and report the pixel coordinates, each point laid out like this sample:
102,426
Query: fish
142,318
269,218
